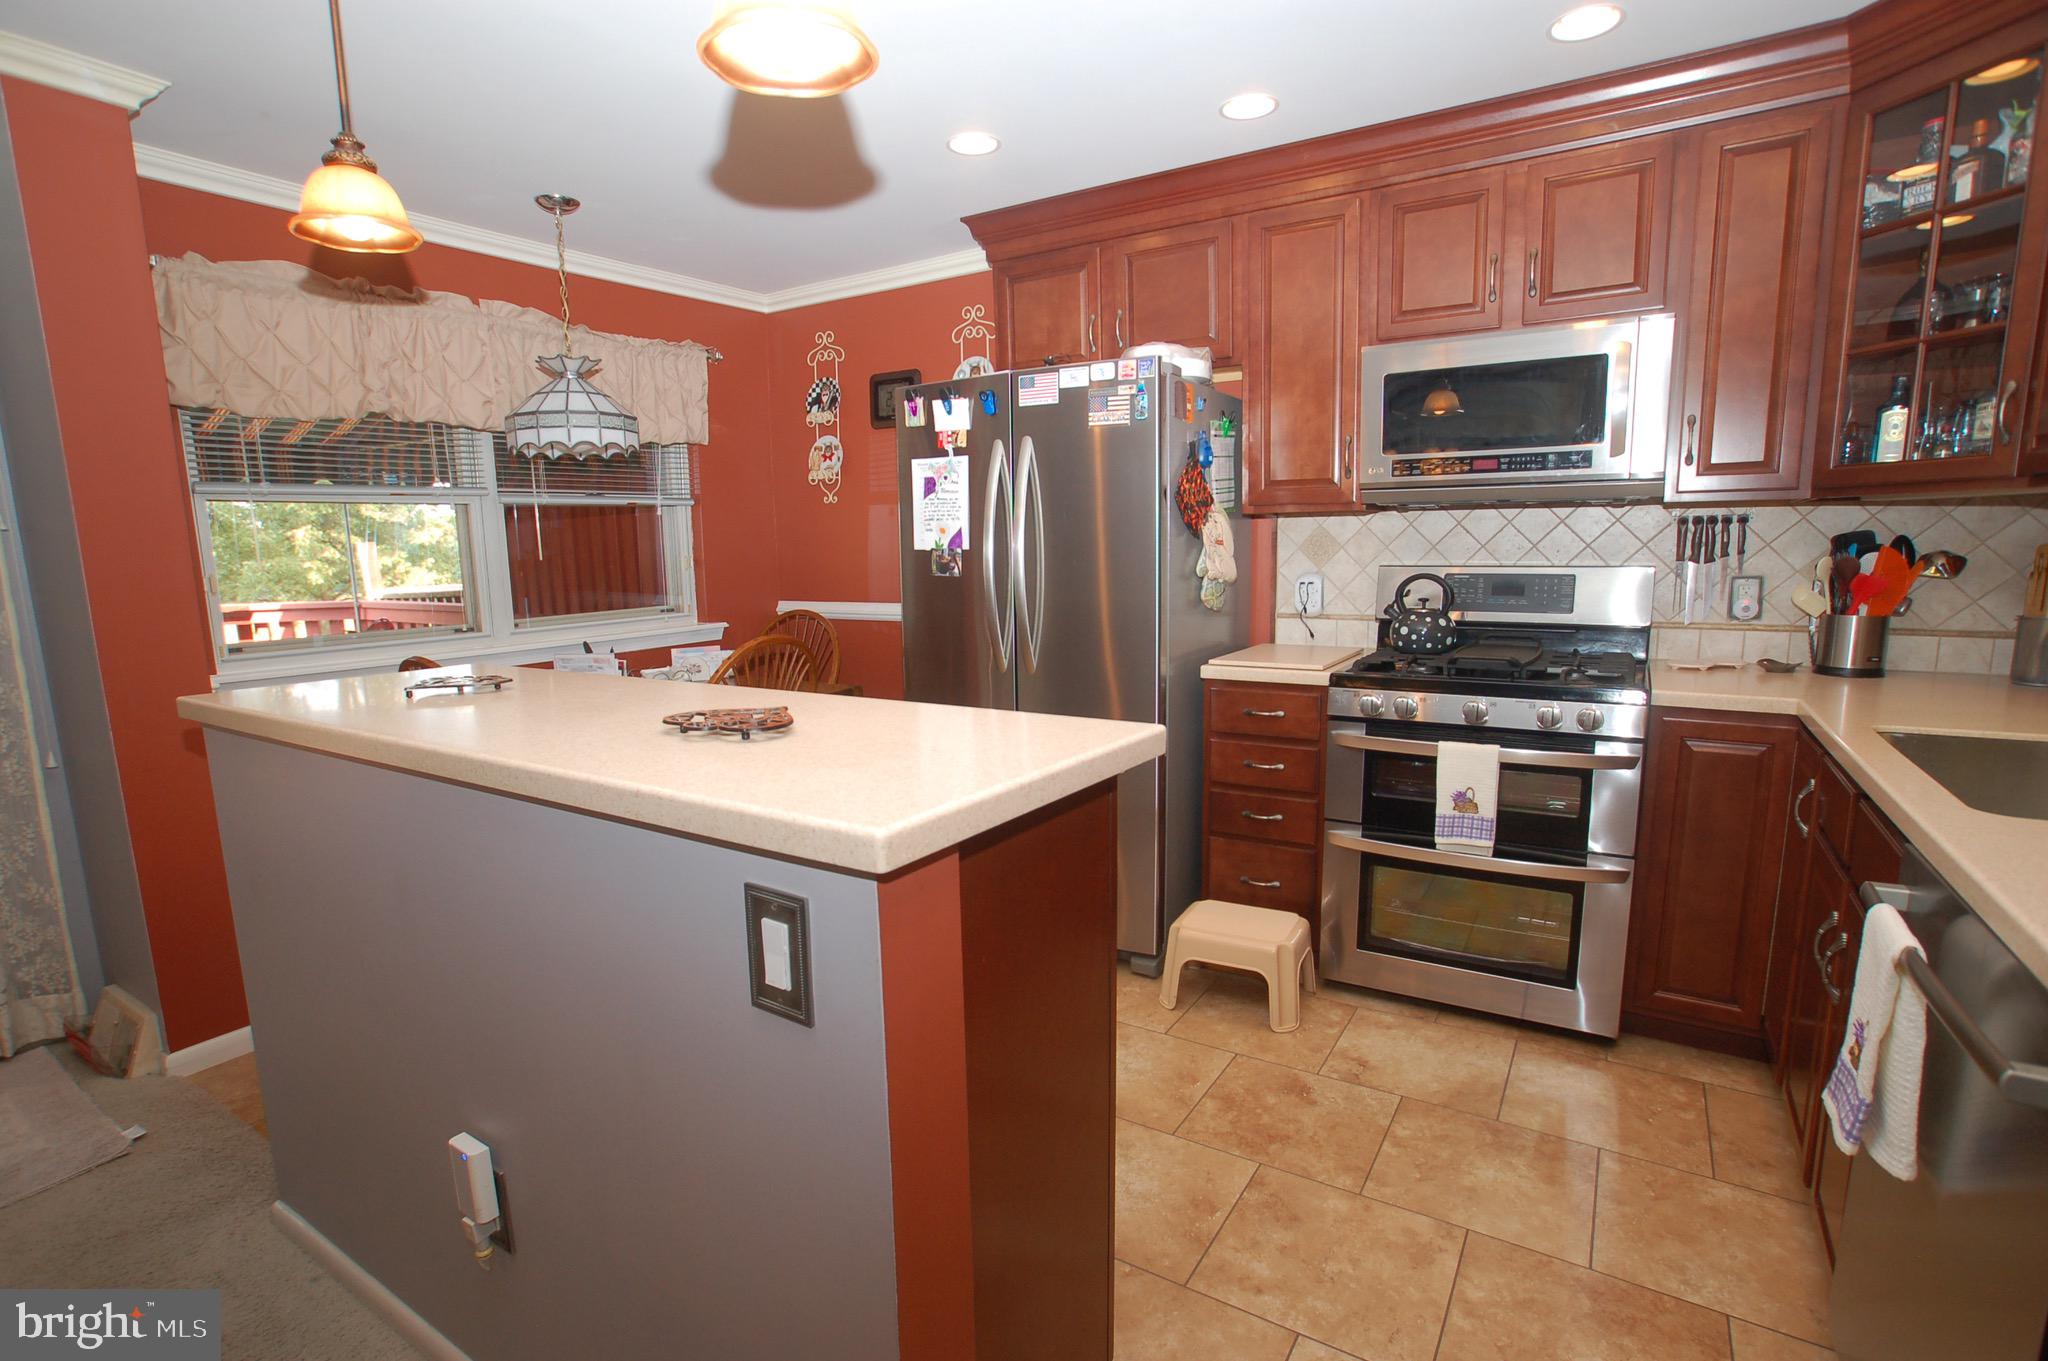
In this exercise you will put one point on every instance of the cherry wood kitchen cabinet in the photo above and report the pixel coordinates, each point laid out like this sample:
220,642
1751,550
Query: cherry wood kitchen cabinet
1046,307
1715,791
1749,312
1175,285
1439,248
1595,230
1301,356
1262,797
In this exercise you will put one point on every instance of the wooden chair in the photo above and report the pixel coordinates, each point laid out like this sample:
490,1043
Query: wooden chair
815,632
419,663
774,661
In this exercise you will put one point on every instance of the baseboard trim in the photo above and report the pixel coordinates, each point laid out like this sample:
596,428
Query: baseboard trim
875,611
403,1318
197,1058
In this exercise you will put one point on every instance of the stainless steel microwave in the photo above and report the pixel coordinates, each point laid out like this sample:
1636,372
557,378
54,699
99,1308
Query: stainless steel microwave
1570,412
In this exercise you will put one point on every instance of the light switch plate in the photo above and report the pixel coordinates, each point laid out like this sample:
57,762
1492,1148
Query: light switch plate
1746,598
779,953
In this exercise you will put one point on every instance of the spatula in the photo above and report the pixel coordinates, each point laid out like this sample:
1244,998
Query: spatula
1890,580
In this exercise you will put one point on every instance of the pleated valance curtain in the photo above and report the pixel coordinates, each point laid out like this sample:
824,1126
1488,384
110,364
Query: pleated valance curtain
271,338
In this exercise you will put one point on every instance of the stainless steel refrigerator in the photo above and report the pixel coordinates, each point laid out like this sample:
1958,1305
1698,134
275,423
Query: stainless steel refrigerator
1074,591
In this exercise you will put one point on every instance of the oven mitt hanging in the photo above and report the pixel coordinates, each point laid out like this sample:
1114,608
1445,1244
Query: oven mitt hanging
1216,565
1191,495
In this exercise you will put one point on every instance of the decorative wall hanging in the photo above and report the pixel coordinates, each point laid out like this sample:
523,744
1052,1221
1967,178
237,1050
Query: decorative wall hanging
976,329
885,390
821,411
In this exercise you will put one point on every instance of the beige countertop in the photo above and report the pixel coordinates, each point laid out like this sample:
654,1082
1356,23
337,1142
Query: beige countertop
1280,664
863,784
1999,864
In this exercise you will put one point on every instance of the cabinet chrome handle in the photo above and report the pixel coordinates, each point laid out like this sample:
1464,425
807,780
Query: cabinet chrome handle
1261,817
1827,961
1825,927
2004,406
1119,330
1265,713
1265,765
1347,456
1492,271
1804,830
1258,883
1091,336
1532,271
1692,426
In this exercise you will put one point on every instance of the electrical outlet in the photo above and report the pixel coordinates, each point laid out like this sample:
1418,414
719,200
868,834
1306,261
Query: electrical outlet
1308,593
1746,598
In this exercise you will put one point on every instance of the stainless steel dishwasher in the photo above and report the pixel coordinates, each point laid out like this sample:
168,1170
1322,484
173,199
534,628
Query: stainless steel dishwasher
1949,1265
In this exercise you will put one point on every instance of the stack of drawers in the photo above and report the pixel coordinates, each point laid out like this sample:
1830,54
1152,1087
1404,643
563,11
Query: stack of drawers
1262,798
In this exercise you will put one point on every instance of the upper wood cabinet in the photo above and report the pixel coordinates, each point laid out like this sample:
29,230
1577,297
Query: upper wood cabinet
1175,286
1301,356
1595,228
1748,312
1046,307
1439,249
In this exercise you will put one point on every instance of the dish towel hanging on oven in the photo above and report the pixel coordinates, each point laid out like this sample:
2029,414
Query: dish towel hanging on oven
1873,1091
1467,795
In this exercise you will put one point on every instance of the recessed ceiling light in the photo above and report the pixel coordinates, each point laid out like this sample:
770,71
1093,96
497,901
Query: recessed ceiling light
791,50
1585,21
972,143
1249,105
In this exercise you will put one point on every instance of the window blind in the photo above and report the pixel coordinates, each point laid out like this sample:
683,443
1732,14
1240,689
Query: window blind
228,450
656,472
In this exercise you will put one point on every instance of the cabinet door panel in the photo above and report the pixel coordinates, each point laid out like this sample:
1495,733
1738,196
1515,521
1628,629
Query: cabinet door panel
1750,320
1801,845
1173,286
1596,227
1046,308
1301,357
1440,246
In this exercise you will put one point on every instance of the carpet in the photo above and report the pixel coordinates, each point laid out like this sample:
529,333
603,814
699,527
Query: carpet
189,1208
50,1131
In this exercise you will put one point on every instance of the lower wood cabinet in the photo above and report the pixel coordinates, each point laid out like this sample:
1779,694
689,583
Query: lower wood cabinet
1262,798
1715,794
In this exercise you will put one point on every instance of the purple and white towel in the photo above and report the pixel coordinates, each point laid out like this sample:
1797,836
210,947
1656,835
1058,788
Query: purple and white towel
1872,1095
1467,796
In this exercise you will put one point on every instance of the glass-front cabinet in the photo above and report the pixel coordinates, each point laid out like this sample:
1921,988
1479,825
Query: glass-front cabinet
1945,274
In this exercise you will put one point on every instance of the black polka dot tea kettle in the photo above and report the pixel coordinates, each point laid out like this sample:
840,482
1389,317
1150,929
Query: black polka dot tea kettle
1419,630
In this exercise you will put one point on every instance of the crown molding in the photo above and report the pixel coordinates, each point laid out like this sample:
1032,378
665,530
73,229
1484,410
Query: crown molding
63,69
174,167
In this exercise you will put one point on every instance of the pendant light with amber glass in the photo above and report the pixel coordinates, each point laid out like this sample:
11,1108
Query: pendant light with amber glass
346,204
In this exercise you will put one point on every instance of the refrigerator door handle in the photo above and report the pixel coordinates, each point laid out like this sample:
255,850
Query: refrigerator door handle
1030,507
1000,620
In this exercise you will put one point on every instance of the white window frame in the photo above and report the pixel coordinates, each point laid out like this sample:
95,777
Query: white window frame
497,638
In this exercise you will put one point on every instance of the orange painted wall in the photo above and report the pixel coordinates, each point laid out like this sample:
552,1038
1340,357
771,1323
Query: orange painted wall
76,168
847,551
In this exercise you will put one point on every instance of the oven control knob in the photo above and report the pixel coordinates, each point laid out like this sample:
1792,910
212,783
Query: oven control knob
1406,707
1591,719
1475,711
1549,716
1372,706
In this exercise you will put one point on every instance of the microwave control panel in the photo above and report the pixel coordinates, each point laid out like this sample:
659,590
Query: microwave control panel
1465,465
1514,592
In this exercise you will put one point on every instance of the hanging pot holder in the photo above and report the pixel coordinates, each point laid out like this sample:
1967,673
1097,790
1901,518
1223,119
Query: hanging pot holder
1192,496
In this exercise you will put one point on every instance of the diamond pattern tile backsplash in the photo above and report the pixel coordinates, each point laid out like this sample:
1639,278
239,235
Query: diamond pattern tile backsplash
1961,625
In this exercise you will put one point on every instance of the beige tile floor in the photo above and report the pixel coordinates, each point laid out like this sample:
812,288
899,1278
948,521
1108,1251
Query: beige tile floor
1402,1182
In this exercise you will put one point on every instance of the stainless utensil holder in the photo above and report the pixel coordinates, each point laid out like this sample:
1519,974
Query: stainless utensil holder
1847,644
2030,651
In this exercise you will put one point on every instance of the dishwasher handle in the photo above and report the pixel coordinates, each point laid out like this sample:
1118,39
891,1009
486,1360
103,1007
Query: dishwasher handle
2024,1083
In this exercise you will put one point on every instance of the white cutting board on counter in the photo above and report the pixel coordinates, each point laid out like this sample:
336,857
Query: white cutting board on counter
1289,657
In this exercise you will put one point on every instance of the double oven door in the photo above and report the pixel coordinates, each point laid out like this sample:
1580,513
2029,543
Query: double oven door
1538,929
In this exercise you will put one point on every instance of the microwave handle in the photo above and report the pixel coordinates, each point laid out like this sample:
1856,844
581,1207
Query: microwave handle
1509,756
1526,869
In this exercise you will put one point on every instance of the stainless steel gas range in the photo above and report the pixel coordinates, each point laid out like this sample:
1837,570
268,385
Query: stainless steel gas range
1551,665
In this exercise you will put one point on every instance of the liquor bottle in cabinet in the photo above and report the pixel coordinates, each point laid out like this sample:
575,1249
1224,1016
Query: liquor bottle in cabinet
1981,168
1893,419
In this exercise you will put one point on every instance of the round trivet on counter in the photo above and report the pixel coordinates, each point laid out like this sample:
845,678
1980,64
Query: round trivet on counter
745,722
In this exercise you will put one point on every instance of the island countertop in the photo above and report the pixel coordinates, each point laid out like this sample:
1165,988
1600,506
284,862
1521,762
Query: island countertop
1997,863
861,784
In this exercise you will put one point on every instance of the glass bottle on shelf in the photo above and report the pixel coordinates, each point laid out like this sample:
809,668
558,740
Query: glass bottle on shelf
1981,167
1905,319
1892,419
1854,449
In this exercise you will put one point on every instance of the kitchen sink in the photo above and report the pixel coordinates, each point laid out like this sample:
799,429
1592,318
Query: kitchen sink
2006,775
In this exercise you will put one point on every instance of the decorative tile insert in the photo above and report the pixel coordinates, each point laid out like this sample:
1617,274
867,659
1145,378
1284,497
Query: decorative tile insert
1962,625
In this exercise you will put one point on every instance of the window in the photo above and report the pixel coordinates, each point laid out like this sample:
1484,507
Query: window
350,533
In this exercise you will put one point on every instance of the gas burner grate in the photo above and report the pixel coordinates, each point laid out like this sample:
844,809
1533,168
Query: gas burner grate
457,684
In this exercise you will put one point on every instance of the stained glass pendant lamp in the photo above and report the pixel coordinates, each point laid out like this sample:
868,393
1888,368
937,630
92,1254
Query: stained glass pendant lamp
346,204
569,415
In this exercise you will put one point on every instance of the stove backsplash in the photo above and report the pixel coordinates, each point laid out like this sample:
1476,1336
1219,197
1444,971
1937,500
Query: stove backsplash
1965,625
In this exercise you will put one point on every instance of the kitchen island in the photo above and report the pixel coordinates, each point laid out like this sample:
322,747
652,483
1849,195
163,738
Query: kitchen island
525,914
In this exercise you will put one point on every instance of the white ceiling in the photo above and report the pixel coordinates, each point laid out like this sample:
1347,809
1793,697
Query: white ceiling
473,106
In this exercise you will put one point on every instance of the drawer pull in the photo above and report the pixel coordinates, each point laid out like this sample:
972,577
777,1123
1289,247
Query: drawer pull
1261,817
1258,883
1265,713
1265,765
